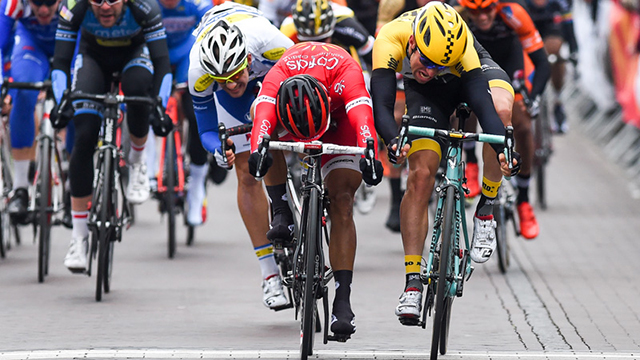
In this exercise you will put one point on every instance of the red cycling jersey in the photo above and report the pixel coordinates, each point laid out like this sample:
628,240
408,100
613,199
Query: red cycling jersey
351,106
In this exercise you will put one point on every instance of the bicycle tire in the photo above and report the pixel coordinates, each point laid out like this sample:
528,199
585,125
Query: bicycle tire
447,239
170,193
502,236
103,230
309,241
542,139
43,199
190,234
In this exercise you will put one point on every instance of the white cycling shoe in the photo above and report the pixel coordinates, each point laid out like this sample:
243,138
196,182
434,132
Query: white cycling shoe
76,259
410,304
138,189
273,292
484,239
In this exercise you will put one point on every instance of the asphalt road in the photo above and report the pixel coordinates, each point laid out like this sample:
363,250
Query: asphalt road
572,293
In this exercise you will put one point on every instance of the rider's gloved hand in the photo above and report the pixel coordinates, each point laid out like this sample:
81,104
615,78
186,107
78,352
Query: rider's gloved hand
61,115
534,108
516,168
160,122
254,158
391,153
221,160
369,168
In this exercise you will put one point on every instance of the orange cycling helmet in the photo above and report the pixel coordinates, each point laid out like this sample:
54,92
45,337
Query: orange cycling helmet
440,33
302,107
477,4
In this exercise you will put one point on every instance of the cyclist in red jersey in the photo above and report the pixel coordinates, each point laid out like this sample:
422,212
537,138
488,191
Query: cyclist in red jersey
332,74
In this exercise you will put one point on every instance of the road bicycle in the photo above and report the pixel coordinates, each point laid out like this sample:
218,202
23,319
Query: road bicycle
171,178
309,272
110,210
46,205
542,138
447,266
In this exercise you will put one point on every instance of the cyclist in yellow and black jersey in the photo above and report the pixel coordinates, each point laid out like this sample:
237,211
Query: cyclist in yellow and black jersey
440,62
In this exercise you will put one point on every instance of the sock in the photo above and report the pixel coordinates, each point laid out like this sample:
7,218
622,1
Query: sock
21,176
150,154
197,192
341,303
268,265
412,270
470,151
522,181
79,221
487,198
280,202
136,153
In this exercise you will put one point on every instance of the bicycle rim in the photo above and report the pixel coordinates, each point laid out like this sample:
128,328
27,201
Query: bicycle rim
44,202
310,241
443,284
170,194
502,240
103,230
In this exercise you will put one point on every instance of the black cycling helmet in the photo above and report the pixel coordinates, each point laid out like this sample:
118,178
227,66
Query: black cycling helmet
314,19
302,107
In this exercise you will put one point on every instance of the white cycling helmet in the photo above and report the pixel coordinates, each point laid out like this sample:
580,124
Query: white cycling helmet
223,49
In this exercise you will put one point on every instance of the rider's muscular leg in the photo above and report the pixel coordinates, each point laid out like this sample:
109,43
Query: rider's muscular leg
423,166
552,45
342,185
252,202
523,137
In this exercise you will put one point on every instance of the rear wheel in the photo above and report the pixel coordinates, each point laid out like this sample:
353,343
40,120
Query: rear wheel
43,199
443,287
310,240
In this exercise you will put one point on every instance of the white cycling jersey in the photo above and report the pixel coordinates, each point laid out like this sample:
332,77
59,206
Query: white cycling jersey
211,104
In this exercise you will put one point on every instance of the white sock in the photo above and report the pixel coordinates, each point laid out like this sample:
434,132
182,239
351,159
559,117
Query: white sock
136,154
79,221
268,265
21,174
196,193
150,152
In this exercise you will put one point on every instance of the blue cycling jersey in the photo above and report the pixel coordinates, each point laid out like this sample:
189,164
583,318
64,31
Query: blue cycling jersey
19,10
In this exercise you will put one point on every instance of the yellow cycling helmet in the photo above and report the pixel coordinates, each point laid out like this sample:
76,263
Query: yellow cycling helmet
440,33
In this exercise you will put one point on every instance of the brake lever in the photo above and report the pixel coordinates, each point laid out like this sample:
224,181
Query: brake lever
403,135
263,148
370,155
222,134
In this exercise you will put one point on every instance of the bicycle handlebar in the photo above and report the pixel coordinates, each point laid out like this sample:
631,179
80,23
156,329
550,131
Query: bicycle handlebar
461,136
37,85
305,147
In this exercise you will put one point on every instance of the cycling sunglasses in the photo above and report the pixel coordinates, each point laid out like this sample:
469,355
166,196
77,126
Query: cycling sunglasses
485,10
428,63
100,2
39,3
234,77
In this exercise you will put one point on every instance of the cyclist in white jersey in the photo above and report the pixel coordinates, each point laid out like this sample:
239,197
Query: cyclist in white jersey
235,47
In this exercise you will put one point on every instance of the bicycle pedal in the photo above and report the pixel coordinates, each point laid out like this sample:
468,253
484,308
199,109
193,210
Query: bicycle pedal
410,321
339,337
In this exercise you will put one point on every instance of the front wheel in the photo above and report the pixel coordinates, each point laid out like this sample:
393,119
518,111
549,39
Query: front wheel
311,239
445,274
105,227
43,201
170,193
502,237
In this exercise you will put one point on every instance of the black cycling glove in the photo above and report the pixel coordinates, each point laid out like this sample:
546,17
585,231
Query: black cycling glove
369,168
61,114
254,158
161,122
516,168
392,153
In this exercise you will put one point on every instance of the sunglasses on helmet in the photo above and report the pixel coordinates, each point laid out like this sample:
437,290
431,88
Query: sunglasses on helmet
428,63
100,2
484,10
44,2
234,77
